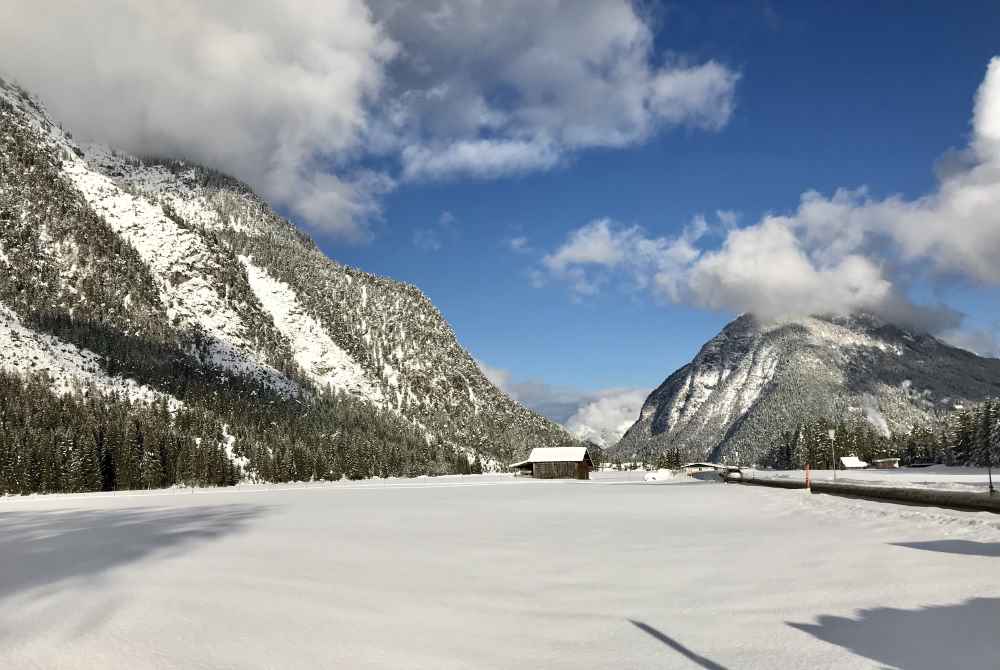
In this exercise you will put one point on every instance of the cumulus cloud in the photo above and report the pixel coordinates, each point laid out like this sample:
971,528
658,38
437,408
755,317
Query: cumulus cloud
600,416
296,98
606,245
833,254
271,92
489,89
477,158
604,419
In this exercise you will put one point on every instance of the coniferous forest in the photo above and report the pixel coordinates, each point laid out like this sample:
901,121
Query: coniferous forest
89,441
969,436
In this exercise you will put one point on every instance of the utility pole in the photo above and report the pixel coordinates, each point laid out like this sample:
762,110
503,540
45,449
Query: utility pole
989,467
989,471
833,458
833,453
993,444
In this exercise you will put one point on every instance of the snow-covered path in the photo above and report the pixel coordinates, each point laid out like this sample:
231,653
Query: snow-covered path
495,573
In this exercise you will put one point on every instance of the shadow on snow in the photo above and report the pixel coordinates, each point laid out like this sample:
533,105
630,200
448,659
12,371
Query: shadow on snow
966,635
706,663
966,547
47,548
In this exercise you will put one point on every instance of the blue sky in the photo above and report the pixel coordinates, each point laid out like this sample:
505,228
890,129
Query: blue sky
587,189
829,96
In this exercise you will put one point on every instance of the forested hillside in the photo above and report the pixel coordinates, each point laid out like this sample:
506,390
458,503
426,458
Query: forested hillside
142,284
756,381
969,436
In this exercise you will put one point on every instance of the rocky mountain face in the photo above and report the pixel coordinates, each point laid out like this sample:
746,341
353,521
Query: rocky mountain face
754,380
161,279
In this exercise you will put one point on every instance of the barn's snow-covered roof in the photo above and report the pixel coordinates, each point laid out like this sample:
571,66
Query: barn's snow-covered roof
554,455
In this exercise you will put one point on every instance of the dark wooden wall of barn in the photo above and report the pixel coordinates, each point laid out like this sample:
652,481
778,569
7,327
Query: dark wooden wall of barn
561,470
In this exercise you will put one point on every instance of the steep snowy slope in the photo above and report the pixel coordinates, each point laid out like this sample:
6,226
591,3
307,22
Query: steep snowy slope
69,368
120,255
754,380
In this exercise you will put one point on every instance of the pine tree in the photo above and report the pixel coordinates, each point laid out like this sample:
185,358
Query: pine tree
151,469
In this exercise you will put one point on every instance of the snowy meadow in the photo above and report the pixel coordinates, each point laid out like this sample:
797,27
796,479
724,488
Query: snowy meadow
495,572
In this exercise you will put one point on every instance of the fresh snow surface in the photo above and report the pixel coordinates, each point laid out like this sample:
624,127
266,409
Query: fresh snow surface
659,476
934,477
556,454
495,572
315,352
70,368
156,183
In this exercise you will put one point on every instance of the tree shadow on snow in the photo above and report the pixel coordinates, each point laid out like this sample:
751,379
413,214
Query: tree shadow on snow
965,635
966,547
48,548
706,663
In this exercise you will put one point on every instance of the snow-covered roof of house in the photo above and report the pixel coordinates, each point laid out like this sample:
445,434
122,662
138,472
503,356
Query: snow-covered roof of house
555,455
852,462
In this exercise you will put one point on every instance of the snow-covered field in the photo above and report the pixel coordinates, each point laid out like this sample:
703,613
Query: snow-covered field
934,477
495,572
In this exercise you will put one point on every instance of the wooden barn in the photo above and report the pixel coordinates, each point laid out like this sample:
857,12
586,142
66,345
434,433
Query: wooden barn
556,463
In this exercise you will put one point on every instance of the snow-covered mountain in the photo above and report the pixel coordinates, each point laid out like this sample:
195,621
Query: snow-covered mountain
754,380
109,261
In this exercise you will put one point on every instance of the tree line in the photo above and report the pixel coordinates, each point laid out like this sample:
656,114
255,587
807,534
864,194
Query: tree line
88,440
969,436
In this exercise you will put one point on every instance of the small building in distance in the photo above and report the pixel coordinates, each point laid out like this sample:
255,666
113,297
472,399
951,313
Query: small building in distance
556,463
712,471
852,463
885,463
698,468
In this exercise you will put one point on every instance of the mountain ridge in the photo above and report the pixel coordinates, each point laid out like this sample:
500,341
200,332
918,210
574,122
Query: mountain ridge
107,254
756,379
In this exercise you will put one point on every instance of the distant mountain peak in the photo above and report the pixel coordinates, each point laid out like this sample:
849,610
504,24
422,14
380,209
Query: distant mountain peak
757,378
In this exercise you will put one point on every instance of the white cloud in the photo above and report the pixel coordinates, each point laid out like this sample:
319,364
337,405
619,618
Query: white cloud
297,97
605,418
490,89
477,158
834,254
600,416
766,269
274,93
605,245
